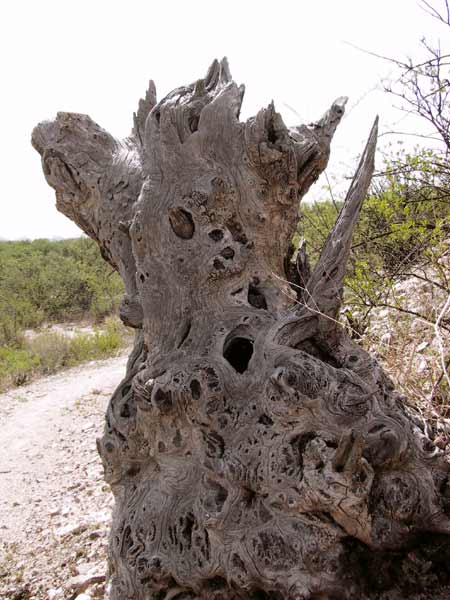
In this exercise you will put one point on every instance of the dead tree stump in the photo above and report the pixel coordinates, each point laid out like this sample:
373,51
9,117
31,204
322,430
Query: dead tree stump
254,450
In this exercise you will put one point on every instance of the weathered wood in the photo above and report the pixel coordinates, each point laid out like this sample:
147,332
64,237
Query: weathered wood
254,450
325,285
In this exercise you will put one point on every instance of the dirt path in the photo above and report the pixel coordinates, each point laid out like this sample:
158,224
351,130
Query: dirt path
54,506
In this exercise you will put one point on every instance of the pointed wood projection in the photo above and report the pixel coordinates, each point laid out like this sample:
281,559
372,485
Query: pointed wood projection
254,450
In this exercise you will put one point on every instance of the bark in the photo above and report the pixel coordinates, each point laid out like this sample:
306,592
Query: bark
254,450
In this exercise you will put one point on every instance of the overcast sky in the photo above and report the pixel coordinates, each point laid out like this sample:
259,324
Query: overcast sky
96,57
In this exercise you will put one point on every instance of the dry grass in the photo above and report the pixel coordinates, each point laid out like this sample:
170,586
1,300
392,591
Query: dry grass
415,351
49,352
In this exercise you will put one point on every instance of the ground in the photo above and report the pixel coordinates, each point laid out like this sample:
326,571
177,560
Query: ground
55,509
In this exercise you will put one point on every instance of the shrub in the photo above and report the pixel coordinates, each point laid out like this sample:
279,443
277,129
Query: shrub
16,366
398,274
402,233
53,281
51,351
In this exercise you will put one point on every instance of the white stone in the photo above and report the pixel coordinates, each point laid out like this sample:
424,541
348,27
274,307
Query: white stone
71,529
386,338
422,366
81,582
104,516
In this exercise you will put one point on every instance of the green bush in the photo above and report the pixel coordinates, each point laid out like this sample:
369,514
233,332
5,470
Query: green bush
51,351
53,281
16,366
402,232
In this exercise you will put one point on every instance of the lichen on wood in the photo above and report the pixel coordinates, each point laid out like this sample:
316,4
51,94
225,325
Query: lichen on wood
254,449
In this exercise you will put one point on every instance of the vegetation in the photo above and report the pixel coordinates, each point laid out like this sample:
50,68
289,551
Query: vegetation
402,232
48,352
397,295
398,277
45,282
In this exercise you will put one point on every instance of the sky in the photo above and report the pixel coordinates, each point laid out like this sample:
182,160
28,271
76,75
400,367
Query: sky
96,57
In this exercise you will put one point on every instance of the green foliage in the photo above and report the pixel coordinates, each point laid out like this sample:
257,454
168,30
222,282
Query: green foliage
51,351
16,366
53,281
401,233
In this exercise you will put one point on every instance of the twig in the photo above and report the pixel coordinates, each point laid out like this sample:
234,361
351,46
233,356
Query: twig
439,338
410,312
418,135
331,193
435,13
399,63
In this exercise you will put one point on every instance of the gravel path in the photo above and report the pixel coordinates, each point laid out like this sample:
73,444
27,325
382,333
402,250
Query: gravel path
54,506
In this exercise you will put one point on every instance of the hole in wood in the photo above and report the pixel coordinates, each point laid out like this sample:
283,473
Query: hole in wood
320,351
182,223
227,253
196,389
216,235
256,298
163,401
265,420
125,390
216,583
193,123
235,228
185,332
238,352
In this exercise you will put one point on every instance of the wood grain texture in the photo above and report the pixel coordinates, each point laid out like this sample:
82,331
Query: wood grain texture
254,450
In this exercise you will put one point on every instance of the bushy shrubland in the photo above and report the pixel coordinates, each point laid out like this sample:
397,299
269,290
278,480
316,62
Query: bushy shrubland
50,351
44,281
403,232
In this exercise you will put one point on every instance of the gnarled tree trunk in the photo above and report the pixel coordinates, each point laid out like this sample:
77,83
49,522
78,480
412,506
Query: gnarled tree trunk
254,450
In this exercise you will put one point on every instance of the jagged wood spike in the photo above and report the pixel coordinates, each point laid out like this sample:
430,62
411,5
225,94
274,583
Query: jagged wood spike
331,119
145,106
225,73
325,286
212,76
